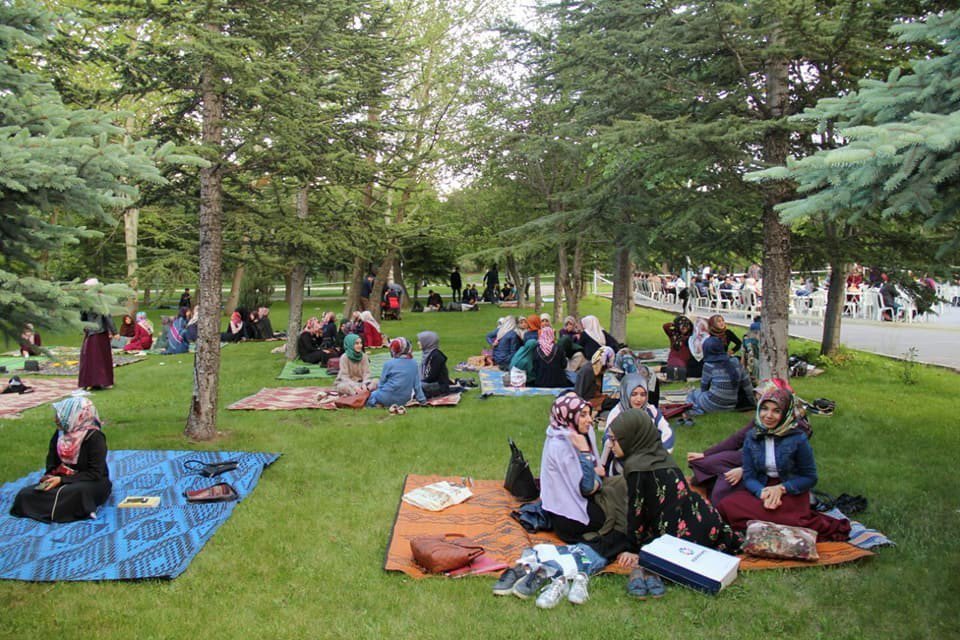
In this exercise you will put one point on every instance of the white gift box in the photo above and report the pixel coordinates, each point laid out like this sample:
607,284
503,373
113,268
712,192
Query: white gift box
690,564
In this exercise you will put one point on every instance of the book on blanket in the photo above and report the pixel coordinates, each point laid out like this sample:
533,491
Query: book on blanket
690,564
437,496
131,502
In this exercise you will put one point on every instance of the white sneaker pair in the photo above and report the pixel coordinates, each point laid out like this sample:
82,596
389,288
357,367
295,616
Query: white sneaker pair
575,590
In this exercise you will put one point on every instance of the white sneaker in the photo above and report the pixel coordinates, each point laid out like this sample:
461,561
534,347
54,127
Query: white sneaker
578,590
554,593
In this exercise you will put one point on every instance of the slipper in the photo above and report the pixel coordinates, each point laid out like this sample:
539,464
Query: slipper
654,586
637,585
393,408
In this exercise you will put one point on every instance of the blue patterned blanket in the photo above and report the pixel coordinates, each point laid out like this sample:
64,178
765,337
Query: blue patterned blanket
126,544
491,383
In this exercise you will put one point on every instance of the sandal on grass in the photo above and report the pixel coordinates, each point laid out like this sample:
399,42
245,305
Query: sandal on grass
637,585
655,586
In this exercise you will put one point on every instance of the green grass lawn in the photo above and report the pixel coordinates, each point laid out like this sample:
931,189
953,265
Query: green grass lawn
302,556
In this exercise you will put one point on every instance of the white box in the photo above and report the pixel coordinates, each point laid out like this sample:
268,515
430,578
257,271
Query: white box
690,564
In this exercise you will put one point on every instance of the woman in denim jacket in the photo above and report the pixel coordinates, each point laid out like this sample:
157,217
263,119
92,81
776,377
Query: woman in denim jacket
778,473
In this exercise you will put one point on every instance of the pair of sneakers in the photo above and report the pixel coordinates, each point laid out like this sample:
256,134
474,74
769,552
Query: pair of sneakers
520,581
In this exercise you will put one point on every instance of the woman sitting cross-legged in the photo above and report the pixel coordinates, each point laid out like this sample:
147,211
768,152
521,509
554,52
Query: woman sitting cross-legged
724,385
434,377
549,362
400,380
309,348
125,334
372,336
720,468
570,474
593,337
659,501
77,480
143,334
589,381
354,374
176,333
778,473
235,329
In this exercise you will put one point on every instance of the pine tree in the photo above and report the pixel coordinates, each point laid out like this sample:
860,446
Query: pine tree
52,160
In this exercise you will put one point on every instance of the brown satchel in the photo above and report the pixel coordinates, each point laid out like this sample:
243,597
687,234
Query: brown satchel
439,554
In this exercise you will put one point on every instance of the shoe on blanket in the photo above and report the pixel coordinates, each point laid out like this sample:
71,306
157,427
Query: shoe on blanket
530,584
504,585
637,585
550,597
578,589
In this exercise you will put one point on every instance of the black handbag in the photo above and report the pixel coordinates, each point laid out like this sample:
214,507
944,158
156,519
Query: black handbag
519,479
676,374
210,469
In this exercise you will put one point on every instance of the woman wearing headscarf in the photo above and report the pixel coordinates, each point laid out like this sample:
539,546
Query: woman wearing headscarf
190,334
589,383
717,327
96,359
264,325
434,377
251,325
720,468
778,473
177,332
522,360
724,385
234,332
143,334
372,337
125,334
354,374
308,344
634,394
328,330
701,331
533,328
76,481
30,341
505,341
549,363
400,379
570,475
659,502
679,332
594,337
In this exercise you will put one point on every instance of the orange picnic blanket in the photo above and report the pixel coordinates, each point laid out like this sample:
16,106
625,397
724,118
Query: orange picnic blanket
485,517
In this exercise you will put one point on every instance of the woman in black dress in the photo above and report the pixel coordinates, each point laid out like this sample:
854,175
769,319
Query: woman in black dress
77,481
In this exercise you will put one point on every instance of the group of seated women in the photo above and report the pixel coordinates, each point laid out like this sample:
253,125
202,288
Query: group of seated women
627,491
321,340
252,324
403,379
134,335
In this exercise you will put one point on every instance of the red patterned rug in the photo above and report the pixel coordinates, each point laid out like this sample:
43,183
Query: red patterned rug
44,390
293,398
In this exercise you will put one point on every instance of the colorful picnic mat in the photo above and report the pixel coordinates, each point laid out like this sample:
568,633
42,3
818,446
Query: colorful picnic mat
485,518
44,390
491,383
72,367
293,398
126,544
377,361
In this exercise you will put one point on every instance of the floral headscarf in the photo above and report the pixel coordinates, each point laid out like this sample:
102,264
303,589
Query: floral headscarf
401,348
700,333
682,330
602,359
546,341
76,416
788,421
765,389
312,326
144,322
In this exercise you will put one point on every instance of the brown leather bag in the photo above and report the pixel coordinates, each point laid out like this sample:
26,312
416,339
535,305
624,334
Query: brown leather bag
438,554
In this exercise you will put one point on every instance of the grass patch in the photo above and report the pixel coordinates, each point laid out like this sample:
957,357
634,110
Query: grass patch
302,557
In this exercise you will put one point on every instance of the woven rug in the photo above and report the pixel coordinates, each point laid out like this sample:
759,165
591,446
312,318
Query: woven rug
72,367
377,360
491,383
126,544
293,398
485,517
44,390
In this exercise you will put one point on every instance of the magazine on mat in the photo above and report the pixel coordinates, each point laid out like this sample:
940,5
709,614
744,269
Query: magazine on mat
437,496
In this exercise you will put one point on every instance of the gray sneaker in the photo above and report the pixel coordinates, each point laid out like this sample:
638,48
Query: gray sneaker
510,577
531,584
578,589
553,594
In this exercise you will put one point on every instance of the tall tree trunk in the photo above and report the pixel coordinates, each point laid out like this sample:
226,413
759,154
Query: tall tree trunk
557,298
131,219
514,273
537,293
774,331
836,299
298,277
619,305
398,277
286,287
235,286
567,280
380,281
202,420
357,275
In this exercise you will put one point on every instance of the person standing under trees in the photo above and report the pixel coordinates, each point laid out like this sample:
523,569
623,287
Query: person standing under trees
491,281
456,285
96,359
366,291
185,299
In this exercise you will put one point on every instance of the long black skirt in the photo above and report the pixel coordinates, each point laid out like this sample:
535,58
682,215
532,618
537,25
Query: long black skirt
66,503
96,361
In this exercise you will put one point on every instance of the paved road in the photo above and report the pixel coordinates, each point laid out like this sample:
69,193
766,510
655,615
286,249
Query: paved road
936,341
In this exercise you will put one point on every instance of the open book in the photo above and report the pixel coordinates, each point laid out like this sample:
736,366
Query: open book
437,496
